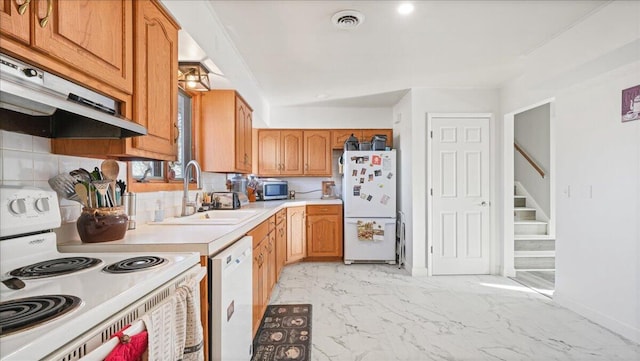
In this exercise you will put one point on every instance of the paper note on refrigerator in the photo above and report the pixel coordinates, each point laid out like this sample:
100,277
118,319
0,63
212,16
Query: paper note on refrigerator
370,231
365,231
378,232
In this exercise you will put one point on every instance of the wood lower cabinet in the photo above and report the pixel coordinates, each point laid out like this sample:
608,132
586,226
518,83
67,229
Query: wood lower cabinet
264,267
204,306
258,286
281,241
271,254
324,232
225,132
260,235
155,96
296,234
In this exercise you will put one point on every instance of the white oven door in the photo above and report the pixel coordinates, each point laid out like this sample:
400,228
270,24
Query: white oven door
231,302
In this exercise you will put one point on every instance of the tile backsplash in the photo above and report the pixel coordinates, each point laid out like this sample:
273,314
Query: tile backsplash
27,160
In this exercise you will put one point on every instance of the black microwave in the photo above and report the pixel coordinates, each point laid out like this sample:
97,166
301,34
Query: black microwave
274,190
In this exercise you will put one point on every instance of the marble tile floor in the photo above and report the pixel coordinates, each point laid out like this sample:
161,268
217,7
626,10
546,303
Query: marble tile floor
379,313
539,281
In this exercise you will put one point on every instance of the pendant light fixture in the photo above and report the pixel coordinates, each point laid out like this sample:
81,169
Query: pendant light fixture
193,76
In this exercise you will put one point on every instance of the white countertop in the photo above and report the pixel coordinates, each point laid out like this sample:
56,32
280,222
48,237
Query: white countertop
204,239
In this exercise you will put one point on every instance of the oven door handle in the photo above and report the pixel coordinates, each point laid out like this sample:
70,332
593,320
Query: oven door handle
100,353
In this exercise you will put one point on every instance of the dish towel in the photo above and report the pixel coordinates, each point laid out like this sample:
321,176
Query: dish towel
189,332
160,323
174,327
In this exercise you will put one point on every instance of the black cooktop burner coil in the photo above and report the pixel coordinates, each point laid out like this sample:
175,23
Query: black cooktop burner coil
25,313
55,267
135,264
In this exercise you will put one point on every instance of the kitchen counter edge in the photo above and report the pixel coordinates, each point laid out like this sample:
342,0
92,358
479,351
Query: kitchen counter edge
207,240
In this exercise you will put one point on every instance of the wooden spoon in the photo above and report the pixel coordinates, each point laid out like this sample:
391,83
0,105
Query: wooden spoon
81,191
110,170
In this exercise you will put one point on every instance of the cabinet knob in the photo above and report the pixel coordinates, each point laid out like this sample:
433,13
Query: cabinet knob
23,8
45,19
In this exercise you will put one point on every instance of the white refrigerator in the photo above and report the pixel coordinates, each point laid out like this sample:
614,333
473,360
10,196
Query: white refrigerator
369,196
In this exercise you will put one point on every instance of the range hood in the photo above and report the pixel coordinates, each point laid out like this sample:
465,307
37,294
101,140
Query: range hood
38,103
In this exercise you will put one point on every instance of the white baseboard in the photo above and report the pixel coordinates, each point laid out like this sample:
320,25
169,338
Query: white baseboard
419,272
621,328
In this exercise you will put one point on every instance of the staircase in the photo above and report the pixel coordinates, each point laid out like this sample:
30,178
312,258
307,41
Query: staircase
534,248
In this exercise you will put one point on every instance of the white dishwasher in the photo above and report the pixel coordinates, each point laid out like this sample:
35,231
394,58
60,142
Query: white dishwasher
231,299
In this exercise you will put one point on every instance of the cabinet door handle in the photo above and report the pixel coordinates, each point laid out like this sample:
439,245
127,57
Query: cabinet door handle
45,20
175,140
23,8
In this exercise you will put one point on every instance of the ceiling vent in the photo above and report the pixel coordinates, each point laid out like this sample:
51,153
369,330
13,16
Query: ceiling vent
347,19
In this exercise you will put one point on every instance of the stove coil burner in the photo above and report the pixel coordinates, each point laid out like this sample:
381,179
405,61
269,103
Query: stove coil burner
135,264
55,267
24,313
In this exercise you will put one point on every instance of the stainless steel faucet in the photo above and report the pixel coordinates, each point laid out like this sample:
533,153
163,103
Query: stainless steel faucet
186,204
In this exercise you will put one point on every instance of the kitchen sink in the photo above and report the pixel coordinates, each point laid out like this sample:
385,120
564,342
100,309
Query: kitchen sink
212,218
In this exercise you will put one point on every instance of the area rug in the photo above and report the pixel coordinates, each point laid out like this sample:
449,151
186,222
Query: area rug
284,334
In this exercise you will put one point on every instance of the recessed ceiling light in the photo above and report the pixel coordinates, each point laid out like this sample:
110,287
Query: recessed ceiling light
405,8
322,96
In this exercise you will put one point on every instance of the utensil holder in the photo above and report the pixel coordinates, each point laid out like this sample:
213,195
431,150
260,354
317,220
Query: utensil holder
102,224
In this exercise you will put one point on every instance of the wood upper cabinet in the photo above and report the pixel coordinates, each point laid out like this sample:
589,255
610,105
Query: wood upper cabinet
317,152
155,95
339,136
367,134
93,36
15,19
280,152
324,232
296,234
88,42
156,87
224,143
90,37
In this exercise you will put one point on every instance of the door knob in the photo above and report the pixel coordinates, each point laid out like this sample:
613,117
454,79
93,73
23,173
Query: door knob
484,204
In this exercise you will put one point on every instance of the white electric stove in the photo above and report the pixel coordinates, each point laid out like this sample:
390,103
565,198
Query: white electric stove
67,300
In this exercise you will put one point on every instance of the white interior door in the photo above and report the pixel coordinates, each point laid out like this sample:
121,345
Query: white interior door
460,202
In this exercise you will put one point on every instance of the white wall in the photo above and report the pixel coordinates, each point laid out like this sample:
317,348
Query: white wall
532,133
200,21
403,117
597,162
425,101
330,117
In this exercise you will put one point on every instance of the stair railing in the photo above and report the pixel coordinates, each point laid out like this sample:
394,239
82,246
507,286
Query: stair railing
529,159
